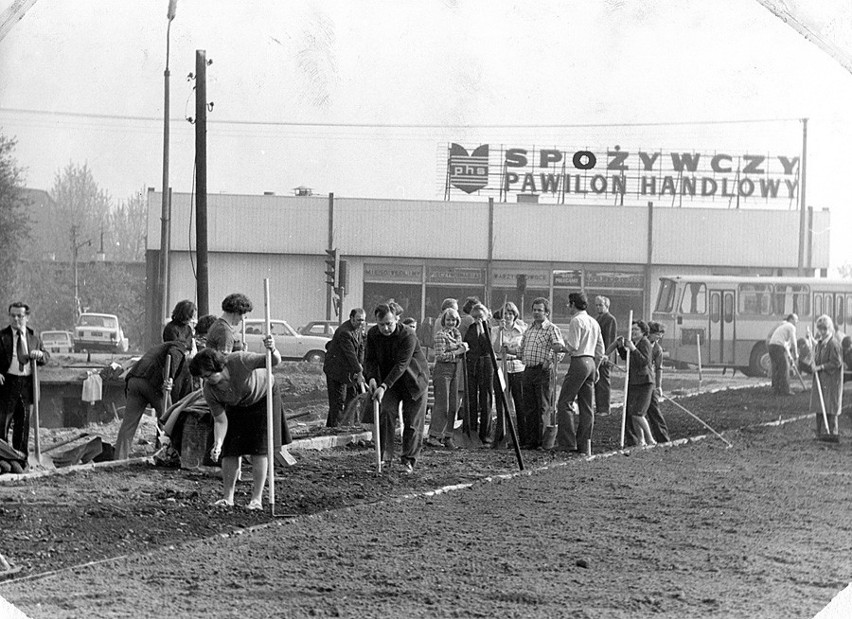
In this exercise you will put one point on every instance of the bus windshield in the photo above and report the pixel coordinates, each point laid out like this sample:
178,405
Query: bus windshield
666,296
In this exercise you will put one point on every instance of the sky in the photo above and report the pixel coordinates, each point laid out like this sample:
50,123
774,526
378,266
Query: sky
360,98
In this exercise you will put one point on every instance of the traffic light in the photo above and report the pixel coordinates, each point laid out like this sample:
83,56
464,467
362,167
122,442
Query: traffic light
342,277
332,267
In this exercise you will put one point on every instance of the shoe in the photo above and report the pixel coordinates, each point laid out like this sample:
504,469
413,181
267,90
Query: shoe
223,503
432,442
254,505
408,468
449,443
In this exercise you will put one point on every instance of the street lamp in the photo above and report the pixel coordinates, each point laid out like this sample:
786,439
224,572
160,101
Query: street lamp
165,224
75,247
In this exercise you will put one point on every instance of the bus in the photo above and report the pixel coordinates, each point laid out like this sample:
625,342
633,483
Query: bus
734,316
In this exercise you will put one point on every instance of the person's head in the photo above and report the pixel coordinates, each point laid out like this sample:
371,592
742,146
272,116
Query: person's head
846,344
204,324
540,309
824,326
450,318
184,312
19,314
478,312
655,331
638,330
237,304
396,308
410,322
602,304
357,317
510,313
208,364
449,302
792,318
577,301
469,303
386,319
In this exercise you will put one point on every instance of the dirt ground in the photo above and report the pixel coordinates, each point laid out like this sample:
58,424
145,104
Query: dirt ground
758,530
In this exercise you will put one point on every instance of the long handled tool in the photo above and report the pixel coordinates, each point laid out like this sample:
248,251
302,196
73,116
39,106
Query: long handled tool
722,438
626,381
270,421
466,438
795,368
167,399
377,437
509,421
34,459
548,437
817,381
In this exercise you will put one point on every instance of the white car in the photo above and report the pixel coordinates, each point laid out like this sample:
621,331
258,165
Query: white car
99,332
57,341
291,345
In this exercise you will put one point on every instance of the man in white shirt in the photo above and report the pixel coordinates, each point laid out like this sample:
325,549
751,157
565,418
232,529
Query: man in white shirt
19,347
782,346
584,343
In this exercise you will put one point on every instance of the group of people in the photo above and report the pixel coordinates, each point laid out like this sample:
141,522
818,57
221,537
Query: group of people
827,352
471,343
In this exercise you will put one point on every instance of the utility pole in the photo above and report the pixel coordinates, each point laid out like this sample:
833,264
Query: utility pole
803,219
75,248
202,286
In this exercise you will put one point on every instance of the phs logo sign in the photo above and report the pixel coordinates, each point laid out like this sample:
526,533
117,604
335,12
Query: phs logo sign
468,171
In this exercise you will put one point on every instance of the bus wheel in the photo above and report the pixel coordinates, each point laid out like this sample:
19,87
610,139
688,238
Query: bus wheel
758,364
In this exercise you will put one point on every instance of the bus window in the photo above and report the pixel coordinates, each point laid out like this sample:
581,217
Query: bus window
715,308
694,299
666,296
839,314
849,309
728,307
817,305
791,299
755,299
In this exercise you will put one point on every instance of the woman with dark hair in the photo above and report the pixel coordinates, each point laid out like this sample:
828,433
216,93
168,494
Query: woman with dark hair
827,366
640,381
181,325
223,334
235,391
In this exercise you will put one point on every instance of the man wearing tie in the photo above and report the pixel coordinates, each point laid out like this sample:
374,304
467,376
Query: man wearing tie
19,346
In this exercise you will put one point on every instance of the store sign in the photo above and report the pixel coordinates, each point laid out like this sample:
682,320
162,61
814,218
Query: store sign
567,279
455,275
601,279
608,172
508,278
393,273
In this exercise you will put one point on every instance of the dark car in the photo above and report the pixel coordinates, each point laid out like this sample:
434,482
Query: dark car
321,328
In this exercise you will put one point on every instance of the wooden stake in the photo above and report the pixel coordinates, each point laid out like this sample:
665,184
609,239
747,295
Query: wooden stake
377,435
35,414
626,381
698,348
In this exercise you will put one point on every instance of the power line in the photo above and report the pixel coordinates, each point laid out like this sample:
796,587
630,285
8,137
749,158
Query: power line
268,123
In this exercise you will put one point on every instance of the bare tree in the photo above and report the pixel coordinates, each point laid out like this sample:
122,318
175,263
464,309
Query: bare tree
14,219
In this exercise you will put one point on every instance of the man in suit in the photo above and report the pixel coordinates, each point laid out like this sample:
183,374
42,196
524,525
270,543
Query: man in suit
396,368
19,347
343,367
609,328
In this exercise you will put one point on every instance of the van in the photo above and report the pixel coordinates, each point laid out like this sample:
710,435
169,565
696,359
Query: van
99,332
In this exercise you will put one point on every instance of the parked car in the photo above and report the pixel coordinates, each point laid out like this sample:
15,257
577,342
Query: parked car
99,332
58,341
292,345
322,328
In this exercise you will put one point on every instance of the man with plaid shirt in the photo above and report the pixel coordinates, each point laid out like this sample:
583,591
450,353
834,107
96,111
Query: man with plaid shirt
539,371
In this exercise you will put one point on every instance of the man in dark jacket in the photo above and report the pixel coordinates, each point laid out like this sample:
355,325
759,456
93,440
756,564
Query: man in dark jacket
19,347
343,367
609,328
396,369
146,383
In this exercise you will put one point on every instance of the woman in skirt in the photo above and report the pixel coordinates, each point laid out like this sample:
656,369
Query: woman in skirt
235,390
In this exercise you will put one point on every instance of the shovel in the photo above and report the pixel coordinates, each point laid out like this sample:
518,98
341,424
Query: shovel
463,437
510,423
34,459
548,439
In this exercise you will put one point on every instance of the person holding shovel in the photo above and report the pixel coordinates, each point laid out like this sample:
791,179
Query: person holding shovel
584,343
223,334
640,379
506,340
19,346
827,365
539,369
396,370
235,390
782,347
